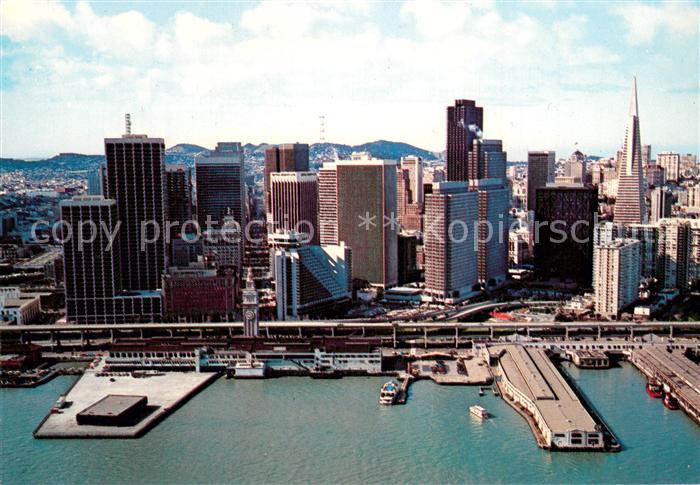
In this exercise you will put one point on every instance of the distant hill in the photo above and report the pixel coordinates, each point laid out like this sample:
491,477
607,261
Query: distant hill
184,153
185,149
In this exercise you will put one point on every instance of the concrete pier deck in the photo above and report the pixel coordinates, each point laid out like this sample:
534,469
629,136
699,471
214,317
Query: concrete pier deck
475,371
165,393
675,371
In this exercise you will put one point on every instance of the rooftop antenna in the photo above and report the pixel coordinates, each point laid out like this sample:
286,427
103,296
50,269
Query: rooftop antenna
127,121
322,118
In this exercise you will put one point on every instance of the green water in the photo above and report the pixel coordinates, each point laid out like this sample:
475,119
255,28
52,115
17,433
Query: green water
304,430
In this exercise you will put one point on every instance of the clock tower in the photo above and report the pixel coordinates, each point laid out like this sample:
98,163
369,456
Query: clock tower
250,307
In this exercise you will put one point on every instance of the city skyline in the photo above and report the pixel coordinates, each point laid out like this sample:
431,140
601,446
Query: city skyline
550,76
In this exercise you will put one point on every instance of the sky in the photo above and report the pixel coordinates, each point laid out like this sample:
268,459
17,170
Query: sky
549,75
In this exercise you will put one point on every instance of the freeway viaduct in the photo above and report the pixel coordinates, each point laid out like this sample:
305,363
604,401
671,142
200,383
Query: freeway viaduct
83,335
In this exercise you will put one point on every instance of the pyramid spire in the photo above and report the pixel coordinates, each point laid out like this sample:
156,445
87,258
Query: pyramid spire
634,107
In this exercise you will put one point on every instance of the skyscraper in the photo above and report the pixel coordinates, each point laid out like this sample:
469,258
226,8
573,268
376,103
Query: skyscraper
91,266
220,178
178,189
465,121
294,203
451,214
288,157
674,253
671,162
540,172
409,193
362,194
616,276
308,278
661,204
96,180
630,205
572,210
492,234
136,180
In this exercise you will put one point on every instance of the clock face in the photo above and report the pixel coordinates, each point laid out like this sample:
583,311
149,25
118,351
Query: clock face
249,315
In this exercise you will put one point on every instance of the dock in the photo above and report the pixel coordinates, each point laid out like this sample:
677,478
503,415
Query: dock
675,371
164,393
465,370
534,387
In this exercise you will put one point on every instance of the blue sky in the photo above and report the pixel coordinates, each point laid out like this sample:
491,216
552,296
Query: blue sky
548,74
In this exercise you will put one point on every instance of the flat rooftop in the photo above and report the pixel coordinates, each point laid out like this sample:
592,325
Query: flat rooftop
113,405
534,374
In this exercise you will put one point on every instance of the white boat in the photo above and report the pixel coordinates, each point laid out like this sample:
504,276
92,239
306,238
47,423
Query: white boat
389,393
479,412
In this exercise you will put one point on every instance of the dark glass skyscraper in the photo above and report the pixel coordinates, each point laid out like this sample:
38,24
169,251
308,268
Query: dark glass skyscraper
464,121
221,185
179,189
574,209
136,180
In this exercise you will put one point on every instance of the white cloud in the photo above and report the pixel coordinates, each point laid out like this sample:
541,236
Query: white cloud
268,76
645,21
23,20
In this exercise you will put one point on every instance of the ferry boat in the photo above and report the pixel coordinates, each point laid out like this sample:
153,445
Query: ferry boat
654,389
479,412
670,402
389,393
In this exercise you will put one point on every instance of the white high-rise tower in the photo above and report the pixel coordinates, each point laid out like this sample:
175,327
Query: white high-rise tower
630,206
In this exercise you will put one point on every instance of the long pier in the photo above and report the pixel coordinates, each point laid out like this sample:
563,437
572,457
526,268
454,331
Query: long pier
675,371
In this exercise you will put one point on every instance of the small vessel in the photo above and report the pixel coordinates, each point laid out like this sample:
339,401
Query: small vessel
479,412
670,402
654,389
389,393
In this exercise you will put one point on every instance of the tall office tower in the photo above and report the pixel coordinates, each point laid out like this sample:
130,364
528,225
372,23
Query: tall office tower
409,212
91,266
288,157
309,279
328,204
487,160
414,166
647,235
492,234
465,121
96,180
630,205
294,203
136,180
220,178
661,204
408,269
197,291
540,172
178,189
674,253
672,163
250,305
451,265
575,168
571,210
646,154
616,276
362,194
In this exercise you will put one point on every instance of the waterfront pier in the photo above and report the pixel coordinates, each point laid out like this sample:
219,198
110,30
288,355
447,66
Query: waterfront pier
678,374
533,386
103,389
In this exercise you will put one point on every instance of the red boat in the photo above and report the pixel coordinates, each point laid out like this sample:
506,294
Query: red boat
670,402
654,389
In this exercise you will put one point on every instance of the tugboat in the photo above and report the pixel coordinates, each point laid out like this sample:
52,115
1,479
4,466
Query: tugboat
670,402
654,389
389,393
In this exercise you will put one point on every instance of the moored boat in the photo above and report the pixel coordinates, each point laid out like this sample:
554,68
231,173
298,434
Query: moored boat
389,393
654,389
670,402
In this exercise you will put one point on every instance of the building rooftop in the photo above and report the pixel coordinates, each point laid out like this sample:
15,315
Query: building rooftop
113,405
